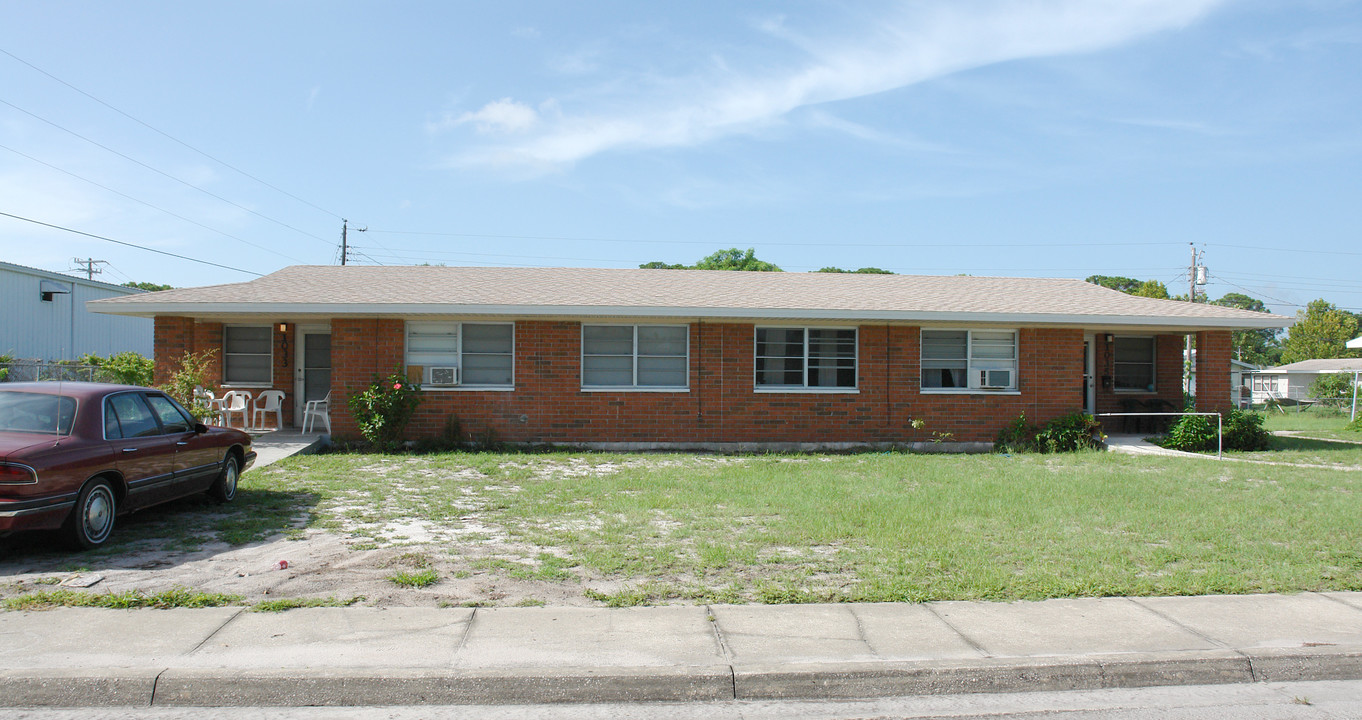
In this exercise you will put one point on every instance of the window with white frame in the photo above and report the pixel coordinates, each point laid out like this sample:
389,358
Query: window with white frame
635,356
805,358
969,360
247,355
1134,364
462,354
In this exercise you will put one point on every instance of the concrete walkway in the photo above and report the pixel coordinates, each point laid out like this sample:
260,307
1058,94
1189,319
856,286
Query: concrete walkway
273,446
1138,445
371,656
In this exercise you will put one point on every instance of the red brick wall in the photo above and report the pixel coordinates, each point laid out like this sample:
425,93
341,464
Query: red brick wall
1213,351
360,349
549,405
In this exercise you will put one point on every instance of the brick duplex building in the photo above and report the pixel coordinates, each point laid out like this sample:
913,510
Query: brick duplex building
688,358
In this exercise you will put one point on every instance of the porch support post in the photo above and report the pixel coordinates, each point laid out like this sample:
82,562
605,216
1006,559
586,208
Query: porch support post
1213,371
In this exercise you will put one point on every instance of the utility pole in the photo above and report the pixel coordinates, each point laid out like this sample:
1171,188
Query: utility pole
345,247
1196,275
87,266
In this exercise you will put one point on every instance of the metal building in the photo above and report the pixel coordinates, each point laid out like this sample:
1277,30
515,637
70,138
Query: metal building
43,317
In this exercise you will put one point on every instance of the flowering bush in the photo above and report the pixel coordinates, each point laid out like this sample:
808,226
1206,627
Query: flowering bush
383,410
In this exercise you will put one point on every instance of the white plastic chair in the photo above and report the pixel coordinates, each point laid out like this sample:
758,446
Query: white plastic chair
317,409
236,401
203,397
269,401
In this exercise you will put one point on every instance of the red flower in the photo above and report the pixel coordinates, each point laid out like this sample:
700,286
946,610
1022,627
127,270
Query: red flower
397,386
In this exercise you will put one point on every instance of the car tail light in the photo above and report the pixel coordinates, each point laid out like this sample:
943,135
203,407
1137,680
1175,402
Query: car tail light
17,474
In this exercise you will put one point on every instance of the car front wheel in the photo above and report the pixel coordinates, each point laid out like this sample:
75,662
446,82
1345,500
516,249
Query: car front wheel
224,488
93,520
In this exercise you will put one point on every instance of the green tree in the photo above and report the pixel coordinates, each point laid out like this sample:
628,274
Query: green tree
863,271
1116,282
730,259
1321,331
1338,386
1260,347
149,287
1151,289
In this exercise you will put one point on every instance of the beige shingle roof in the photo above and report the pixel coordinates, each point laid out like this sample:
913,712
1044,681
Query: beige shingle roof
1327,365
404,291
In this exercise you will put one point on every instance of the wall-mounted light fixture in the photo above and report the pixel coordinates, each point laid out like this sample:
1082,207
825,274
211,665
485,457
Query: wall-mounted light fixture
283,334
1110,338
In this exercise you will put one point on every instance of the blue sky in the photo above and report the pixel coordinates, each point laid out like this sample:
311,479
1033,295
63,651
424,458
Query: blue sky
1048,138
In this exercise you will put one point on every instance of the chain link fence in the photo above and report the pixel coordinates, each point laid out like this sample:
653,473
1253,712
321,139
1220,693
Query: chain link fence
31,370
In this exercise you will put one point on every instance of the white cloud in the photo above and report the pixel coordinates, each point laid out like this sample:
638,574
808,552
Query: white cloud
912,45
499,116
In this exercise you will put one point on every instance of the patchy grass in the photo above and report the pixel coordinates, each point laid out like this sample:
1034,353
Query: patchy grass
295,603
1308,451
424,578
173,598
1316,423
648,529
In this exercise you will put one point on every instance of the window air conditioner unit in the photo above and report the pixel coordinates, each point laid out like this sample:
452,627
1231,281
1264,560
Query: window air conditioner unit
995,379
442,376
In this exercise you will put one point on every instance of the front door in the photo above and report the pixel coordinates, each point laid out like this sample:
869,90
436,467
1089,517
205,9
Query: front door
312,377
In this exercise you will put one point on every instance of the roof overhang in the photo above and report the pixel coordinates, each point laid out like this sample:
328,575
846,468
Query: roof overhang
215,311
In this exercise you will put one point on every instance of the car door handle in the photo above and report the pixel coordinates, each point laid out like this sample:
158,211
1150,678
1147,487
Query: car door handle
182,442
129,449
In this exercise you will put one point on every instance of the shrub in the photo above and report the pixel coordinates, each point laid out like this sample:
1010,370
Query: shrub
1067,433
190,372
125,368
1075,431
383,409
1244,431
1018,436
1191,433
1356,424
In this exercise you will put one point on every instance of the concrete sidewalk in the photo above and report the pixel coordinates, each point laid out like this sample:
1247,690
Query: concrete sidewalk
370,656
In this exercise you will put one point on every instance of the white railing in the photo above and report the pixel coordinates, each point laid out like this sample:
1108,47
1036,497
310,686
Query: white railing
1219,424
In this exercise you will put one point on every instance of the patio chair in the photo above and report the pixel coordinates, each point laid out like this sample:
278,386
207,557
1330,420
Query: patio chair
317,409
236,401
269,401
203,397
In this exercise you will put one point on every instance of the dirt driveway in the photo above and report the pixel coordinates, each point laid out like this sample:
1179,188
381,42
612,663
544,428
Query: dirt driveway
307,563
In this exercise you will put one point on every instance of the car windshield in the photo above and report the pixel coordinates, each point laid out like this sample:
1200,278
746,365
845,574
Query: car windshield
36,412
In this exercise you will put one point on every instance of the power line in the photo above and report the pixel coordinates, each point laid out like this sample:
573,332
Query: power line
153,207
1287,250
771,244
168,135
186,183
128,244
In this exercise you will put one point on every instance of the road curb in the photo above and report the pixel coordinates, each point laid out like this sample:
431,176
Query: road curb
228,687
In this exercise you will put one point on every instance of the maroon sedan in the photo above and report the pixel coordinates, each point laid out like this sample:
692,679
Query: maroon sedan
75,455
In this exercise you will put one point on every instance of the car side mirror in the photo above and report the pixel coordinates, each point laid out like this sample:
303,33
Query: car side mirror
200,428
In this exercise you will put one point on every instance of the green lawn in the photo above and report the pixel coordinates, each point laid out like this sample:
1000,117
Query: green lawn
633,529
1314,422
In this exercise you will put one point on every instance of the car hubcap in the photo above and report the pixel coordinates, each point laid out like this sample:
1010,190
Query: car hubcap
98,514
229,483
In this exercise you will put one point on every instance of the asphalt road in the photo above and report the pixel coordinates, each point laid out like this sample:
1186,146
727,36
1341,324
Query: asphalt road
1257,701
